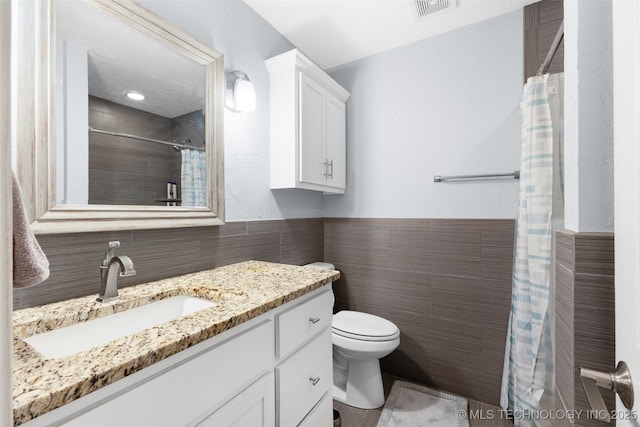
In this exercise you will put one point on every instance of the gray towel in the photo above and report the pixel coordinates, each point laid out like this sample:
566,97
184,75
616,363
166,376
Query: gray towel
30,264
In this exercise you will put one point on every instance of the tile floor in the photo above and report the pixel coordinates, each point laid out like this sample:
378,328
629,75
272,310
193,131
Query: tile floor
481,412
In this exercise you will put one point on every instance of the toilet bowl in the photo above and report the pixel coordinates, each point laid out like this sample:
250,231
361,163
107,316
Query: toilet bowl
360,340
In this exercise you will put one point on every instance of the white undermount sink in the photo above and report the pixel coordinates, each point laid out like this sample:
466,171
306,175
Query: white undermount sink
86,335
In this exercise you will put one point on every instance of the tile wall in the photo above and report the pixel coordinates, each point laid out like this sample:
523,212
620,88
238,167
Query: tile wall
446,283
585,315
125,171
541,23
157,254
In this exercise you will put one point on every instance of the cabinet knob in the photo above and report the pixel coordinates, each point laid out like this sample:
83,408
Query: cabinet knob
314,320
314,380
330,175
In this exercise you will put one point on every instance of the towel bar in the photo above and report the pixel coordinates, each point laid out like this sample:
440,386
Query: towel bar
439,178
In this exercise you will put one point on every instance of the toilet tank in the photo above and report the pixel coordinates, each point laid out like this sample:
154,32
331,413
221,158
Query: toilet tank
322,265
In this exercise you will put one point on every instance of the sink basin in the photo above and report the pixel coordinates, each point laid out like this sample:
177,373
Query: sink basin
93,333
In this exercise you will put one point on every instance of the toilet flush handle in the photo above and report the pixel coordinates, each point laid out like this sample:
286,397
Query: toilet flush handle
314,320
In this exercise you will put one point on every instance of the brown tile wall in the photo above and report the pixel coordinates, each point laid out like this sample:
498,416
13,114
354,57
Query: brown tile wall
446,283
541,23
125,171
157,254
585,315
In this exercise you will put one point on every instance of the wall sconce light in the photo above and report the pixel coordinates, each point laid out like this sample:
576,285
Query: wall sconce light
240,96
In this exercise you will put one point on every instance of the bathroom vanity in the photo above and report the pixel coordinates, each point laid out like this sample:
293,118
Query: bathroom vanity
260,356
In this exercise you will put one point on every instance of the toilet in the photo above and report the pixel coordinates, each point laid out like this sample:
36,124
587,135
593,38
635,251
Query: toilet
360,340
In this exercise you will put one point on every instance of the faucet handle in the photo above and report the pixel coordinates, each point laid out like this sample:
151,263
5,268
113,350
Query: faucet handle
111,248
110,253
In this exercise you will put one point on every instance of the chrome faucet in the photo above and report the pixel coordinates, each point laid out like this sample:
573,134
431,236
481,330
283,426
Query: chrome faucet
113,266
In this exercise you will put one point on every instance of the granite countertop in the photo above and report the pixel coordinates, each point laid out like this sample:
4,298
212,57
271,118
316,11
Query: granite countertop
242,291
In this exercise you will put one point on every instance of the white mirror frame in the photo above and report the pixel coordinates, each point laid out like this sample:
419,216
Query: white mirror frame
35,123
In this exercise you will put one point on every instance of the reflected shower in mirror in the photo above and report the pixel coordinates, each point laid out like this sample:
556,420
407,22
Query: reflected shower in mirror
132,127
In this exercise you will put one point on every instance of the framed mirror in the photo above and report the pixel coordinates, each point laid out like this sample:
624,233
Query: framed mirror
128,114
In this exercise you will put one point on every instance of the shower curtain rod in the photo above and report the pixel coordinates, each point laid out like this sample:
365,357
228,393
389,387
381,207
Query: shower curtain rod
552,50
142,138
439,178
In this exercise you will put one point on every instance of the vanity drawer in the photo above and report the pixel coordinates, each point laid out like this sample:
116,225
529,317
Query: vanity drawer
303,379
300,323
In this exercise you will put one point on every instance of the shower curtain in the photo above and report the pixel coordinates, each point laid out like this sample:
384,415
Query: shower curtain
527,381
193,176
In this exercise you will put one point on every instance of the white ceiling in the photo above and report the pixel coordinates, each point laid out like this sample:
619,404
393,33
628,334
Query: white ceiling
122,59
334,32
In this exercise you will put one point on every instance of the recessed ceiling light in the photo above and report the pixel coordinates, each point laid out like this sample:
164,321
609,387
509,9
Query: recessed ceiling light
136,96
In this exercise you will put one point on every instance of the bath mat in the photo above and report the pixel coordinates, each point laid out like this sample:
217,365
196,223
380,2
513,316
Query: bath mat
413,405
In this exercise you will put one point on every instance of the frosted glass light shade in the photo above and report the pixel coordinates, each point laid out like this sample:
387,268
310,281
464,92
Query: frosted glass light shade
244,96
240,95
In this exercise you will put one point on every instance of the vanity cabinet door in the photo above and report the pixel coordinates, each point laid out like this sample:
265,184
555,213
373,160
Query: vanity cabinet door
321,415
181,395
254,407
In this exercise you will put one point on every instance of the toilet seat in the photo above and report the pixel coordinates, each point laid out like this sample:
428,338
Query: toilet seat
363,326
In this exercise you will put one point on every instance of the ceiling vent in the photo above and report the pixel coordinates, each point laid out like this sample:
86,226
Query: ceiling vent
426,7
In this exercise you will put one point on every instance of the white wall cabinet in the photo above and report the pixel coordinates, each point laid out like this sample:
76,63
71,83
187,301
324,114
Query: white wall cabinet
273,370
307,130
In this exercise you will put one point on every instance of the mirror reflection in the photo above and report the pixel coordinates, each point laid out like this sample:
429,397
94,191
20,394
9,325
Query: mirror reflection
131,126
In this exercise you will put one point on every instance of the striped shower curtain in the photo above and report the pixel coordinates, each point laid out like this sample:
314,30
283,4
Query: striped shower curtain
193,176
528,365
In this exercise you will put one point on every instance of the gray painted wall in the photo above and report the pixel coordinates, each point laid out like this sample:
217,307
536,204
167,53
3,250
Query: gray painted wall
588,172
445,105
246,40
449,105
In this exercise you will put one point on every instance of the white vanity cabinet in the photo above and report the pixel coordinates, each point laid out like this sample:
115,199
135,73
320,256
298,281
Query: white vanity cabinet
307,129
273,370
